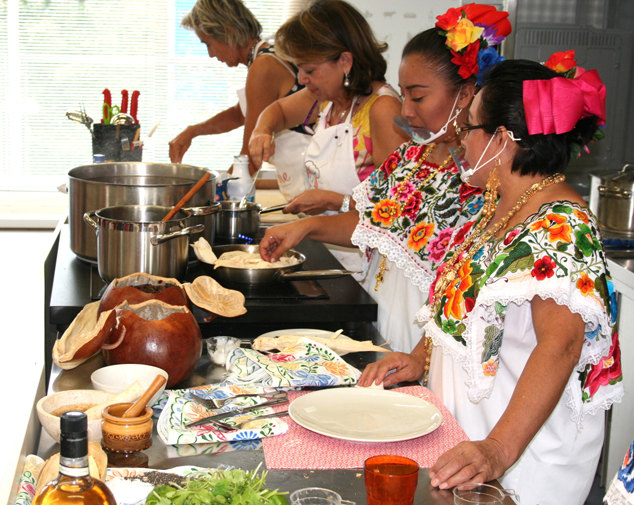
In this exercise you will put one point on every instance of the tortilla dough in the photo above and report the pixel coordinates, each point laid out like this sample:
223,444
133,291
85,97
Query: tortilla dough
244,259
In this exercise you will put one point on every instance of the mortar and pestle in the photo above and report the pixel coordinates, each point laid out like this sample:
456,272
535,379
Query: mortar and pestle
127,427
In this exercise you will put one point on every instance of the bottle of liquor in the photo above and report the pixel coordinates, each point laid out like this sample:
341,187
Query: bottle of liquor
74,483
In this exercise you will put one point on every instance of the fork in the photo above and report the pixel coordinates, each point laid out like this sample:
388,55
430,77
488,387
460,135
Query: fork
234,427
217,403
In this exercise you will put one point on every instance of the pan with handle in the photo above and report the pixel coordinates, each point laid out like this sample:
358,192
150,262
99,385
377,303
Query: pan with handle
268,275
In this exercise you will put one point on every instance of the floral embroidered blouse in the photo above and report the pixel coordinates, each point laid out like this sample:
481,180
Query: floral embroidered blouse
430,209
557,254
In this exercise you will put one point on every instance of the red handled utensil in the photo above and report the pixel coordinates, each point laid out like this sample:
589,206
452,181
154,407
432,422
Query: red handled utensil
134,105
107,104
124,101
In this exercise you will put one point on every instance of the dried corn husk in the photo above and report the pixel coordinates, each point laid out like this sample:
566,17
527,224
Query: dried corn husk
84,337
339,345
209,295
97,463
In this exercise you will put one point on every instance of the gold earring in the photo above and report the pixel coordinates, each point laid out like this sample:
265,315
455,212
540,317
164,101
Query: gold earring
491,193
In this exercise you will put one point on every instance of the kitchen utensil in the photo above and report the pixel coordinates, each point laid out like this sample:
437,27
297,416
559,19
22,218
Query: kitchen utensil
239,426
242,410
243,201
116,378
93,187
187,197
218,403
615,208
132,238
121,118
126,434
219,348
267,275
134,105
234,220
87,120
390,480
109,111
139,406
365,415
317,496
153,129
481,494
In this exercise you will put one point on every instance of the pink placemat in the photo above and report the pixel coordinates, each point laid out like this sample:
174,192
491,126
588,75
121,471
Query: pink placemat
300,448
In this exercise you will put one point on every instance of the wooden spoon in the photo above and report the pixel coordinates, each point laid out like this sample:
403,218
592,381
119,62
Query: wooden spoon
138,407
187,197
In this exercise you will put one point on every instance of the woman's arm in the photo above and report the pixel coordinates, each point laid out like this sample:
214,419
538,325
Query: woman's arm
281,114
536,394
335,229
267,81
227,120
386,136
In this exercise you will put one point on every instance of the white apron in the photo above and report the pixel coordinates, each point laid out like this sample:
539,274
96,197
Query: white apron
290,149
329,164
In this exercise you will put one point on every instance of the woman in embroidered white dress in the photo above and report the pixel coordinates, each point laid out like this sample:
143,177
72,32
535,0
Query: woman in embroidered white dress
521,318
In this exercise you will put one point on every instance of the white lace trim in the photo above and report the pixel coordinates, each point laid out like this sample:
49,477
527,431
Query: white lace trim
470,354
617,494
365,237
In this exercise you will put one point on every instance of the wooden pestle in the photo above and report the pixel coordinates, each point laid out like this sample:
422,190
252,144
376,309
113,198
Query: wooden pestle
138,407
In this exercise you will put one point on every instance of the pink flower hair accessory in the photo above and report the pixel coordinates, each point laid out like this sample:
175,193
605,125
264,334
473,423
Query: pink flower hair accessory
555,105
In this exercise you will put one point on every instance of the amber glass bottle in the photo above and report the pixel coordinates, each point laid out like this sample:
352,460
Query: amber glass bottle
74,483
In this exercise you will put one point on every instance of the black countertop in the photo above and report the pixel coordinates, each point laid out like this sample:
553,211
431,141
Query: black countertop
343,302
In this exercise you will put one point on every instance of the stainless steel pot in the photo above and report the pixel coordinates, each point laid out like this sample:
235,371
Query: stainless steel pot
103,185
267,275
615,208
132,238
232,220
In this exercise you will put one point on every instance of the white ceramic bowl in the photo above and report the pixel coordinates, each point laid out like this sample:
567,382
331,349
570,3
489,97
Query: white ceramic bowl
51,407
116,378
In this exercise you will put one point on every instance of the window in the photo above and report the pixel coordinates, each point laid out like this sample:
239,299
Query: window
57,55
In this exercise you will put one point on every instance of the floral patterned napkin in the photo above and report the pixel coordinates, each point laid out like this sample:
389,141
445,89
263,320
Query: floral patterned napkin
181,409
307,363
28,480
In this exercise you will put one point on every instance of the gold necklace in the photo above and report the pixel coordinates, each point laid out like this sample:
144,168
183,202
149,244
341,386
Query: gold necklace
474,243
395,209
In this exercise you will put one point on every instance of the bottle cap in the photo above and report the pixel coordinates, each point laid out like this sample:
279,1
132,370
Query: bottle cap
73,437
98,158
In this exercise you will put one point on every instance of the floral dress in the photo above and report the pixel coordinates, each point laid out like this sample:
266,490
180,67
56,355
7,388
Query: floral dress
415,243
483,335
621,490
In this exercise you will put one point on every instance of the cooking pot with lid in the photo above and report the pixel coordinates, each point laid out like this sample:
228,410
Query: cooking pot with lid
94,187
615,202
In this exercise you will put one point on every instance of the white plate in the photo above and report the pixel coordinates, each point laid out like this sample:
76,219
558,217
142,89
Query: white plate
365,415
306,332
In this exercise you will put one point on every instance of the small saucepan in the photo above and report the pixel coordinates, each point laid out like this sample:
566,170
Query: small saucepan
267,275
232,220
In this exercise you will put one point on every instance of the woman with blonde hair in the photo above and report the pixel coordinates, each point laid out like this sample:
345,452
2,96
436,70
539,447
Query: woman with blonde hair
232,34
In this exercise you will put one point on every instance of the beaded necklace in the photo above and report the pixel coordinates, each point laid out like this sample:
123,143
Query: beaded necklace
251,56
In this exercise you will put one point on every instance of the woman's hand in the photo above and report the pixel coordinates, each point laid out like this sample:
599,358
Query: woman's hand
314,202
409,367
180,144
261,147
470,462
279,239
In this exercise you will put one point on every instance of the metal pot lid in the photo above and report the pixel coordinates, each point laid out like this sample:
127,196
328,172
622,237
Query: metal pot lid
626,174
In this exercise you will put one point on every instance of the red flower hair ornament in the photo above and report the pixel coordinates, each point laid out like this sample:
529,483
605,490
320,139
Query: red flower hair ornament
471,31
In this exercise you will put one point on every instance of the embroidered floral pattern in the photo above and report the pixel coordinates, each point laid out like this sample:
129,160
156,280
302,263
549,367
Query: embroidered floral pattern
543,255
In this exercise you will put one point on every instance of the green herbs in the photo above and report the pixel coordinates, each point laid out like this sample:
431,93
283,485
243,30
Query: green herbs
226,487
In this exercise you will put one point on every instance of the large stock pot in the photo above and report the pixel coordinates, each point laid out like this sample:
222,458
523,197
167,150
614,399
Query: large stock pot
94,187
613,192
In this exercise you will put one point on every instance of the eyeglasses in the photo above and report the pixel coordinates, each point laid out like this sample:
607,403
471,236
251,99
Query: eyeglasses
467,128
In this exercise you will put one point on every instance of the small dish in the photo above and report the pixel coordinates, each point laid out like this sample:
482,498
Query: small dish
219,348
116,378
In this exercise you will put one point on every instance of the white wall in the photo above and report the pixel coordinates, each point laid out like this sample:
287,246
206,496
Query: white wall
397,21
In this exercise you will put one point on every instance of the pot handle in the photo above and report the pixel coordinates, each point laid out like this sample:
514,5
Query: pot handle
159,239
204,211
615,192
88,219
273,208
628,167
305,275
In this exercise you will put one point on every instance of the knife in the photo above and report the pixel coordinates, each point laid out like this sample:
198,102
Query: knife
218,417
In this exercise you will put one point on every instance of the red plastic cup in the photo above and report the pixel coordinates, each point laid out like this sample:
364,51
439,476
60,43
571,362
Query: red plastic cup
390,480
